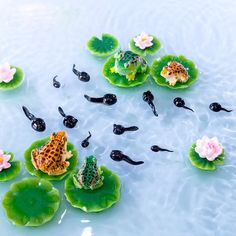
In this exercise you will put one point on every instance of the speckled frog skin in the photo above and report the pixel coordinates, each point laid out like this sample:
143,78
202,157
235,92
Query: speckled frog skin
174,72
89,175
51,158
129,64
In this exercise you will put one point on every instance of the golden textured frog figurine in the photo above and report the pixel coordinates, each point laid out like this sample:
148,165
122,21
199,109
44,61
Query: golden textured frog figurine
175,72
52,157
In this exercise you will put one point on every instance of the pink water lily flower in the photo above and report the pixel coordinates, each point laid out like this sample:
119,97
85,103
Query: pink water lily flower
143,41
4,160
6,73
208,148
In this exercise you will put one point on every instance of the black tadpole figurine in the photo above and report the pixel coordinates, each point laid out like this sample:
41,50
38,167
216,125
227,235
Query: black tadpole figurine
69,121
216,107
56,83
108,99
37,124
148,97
156,148
85,142
179,102
83,76
120,129
118,155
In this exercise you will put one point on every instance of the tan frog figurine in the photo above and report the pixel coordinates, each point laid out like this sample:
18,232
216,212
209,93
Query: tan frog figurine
175,72
52,157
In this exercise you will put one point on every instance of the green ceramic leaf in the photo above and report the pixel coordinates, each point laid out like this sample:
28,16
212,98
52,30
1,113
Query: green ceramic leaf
13,171
31,169
143,52
120,80
16,82
158,65
105,46
203,163
31,202
94,200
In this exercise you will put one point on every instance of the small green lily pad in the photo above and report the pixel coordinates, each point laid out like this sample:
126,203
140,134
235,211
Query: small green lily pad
147,51
203,163
16,82
31,202
31,169
11,172
121,80
105,46
94,200
158,65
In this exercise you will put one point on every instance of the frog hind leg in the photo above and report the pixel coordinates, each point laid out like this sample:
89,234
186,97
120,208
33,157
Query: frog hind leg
59,169
130,77
34,158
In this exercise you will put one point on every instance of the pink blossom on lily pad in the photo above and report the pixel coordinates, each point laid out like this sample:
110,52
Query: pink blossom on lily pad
4,160
6,73
143,41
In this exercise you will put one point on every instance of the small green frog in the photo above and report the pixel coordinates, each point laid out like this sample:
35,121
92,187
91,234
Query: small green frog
89,175
129,64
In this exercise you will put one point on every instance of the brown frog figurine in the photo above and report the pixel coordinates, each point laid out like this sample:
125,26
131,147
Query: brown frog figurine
52,157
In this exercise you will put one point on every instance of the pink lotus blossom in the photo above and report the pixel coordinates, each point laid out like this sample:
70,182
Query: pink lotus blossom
143,41
6,73
4,158
208,148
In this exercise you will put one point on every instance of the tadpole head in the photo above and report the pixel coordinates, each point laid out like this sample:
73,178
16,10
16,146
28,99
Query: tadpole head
118,129
148,96
109,99
84,76
70,121
38,124
116,155
179,102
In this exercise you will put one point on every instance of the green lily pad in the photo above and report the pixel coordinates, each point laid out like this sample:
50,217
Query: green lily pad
158,65
121,80
143,52
203,163
11,172
94,200
105,46
16,82
31,169
31,202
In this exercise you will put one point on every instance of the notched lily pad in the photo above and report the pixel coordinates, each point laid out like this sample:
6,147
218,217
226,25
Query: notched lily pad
31,169
158,65
94,200
11,172
121,80
147,51
31,202
105,46
203,163
15,82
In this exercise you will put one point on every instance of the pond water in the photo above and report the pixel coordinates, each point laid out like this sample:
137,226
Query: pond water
166,195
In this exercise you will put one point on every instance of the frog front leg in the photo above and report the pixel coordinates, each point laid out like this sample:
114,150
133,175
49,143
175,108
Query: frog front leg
34,158
131,76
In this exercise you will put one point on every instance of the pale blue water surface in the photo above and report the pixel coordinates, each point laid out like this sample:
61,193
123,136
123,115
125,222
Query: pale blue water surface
166,196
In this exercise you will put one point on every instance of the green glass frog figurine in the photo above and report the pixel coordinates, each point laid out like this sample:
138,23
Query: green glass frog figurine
89,176
129,64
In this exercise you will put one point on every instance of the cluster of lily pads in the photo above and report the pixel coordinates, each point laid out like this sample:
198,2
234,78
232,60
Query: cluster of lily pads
130,68
34,201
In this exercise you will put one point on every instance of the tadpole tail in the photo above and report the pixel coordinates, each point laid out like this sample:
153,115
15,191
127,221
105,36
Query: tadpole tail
131,128
165,150
90,135
29,115
130,161
188,108
54,78
91,99
226,110
61,112
150,103
76,72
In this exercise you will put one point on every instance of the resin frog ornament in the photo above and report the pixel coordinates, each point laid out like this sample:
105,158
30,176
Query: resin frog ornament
129,64
89,175
52,157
